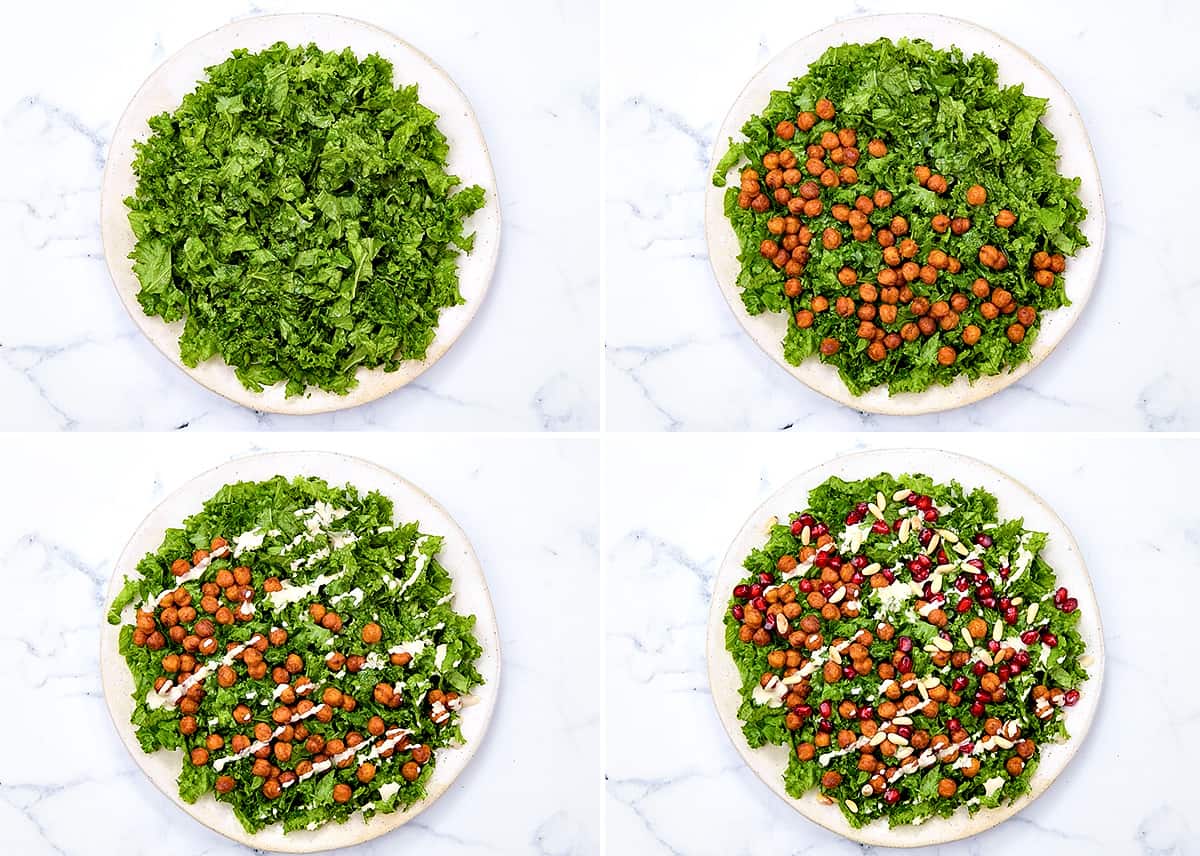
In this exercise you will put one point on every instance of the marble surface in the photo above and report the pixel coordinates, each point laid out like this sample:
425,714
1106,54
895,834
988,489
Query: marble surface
675,785
71,358
678,360
67,784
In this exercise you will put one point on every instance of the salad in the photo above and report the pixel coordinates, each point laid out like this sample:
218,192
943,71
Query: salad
301,648
295,212
911,649
905,211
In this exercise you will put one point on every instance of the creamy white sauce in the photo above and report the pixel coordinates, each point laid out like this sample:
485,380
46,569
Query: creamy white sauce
291,593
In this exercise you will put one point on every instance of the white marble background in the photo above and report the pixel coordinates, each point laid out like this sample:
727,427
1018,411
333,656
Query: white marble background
677,786
70,358
67,784
677,358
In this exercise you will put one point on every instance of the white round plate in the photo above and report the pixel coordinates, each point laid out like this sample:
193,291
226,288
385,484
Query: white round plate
471,598
468,159
1076,158
1015,501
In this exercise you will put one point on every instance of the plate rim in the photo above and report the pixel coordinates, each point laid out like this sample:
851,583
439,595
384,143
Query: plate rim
315,400
960,825
380,824
809,371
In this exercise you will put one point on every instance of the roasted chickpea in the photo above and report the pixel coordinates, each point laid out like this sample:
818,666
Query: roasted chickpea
946,355
910,271
1044,278
824,108
806,120
980,288
831,238
804,319
332,621
876,351
785,130
882,198
877,148
1058,263
922,174
1014,766
947,788
989,310
813,208
848,175
868,292
829,346
899,226
828,178
1041,260
960,225
1005,218
410,771
937,184
887,313
866,312
971,335
940,223
909,332
976,194
1027,315
199,756
180,567
1015,333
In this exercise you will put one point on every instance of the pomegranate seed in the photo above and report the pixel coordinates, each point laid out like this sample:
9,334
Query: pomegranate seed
861,508
808,520
827,589
1004,572
964,604
891,796
848,673
913,566
853,518
826,709
912,498
760,603
986,589
939,597
978,565
798,527
920,575
905,644
897,523
1049,640
835,562
738,611
989,602
821,560
866,713
1070,605
1029,637
977,709
1016,668
925,537
905,731
820,529
942,557
857,578
880,527
906,664
959,683
993,646
924,503
978,668
983,540
983,696
961,583
859,562
756,590
931,515
1021,658
1059,596
806,586
968,747
825,725
952,724
802,710
889,575
927,590
1071,697
742,591
766,578
1010,615
925,562
1004,671
1005,603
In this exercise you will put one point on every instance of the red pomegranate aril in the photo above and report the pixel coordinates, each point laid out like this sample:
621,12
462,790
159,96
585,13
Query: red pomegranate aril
1049,640
853,518
897,523
1016,668
925,537
891,796
952,724
1029,637
978,668
857,578
931,515
905,664
826,709
1071,697
859,562
942,560
766,578
924,503
964,604
756,590
905,644
925,562
820,529
1004,671
802,710
806,520
983,540
825,725
977,564
1070,605
880,527
905,731
862,507
989,602
1010,615
1059,596
866,713
1005,603
826,589
821,560
835,562
1004,572
806,586
986,589
983,696
1021,658
913,566
968,747
959,683
977,708
912,498
993,646
848,673
798,527
888,574
962,584
742,591
760,603
739,612
920,575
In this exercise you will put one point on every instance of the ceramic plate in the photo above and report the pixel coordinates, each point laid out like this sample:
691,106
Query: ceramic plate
471,598
468,159
1075,159
1015,500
